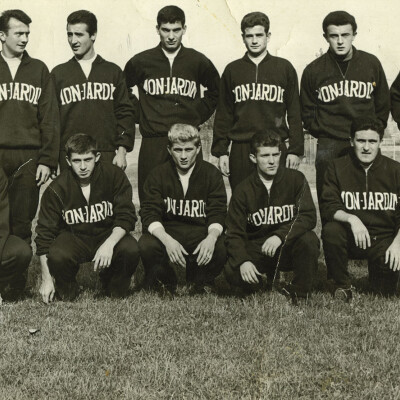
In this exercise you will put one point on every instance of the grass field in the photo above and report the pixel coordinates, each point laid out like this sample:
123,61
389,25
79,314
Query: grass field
212,346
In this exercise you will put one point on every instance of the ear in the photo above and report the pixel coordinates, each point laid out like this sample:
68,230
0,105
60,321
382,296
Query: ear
93,37
169,150
3,36
268,36
198,149
98,155
325,36
184,30
158,29
68,162
351,141
253,158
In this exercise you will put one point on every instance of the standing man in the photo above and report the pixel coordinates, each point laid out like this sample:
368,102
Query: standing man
183,214
169,79
339,86
360,204
15,254
257,92
86,214
29,124
92,95
269,224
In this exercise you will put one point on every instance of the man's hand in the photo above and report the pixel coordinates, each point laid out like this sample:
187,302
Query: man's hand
205,250
292,161
249,272
271,245
42,174
360,232
175,251
103,256
392,255
120,158
47,289
223,165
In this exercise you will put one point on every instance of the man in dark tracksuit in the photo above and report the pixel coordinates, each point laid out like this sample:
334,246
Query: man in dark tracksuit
92,95
29,125
339,86
183,213
395,100
15,254
168,78
269,225
257,92
86,214
360,204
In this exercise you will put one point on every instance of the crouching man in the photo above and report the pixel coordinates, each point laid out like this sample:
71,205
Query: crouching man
183,213
269,225
15,253
360,201
86,214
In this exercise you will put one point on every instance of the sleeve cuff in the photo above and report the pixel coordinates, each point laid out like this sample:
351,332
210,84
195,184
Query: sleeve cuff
216,226
153,226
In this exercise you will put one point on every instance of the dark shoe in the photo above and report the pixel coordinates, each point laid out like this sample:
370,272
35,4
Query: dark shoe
290,292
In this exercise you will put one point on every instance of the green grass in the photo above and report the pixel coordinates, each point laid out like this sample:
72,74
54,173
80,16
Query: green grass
213,346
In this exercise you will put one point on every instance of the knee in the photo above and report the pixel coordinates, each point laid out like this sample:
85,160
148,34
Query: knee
130,249
149,247
24,255
220,254
333,232
57,256
308,242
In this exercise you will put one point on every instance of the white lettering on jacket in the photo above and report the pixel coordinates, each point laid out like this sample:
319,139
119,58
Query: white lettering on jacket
346,88
170,85
20,91
271,215
369,200
186,208
88,214
87,91
258,91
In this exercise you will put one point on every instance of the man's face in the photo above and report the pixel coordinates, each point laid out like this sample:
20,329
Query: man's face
16,39
80,41
83,165
267,161
171,35
366,146
255,40
340,39
184,154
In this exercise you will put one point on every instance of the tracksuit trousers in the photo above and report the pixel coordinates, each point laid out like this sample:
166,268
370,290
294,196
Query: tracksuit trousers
15,259
339,246
300,255
68,251
156,262
23,193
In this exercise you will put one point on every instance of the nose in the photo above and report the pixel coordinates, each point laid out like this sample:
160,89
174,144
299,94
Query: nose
366,146
271,160
82,166
340,39
25,38
183,154
171,36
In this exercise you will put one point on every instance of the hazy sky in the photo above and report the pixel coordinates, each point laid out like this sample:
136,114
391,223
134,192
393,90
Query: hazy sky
126,27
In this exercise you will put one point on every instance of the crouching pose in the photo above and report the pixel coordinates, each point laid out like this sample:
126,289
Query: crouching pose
269,225
86,214
183,213
360,202
15,254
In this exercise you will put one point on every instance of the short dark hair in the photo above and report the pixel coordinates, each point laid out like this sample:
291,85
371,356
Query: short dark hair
8,14
366,123
253,19
83,17
170,14
268,138
80,143
339,18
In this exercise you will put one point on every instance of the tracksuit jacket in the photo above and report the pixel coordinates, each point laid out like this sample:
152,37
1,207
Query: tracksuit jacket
254,97
288,212
98,105
372,195
330,100
204,203
169,95
64,207
28,110
395,99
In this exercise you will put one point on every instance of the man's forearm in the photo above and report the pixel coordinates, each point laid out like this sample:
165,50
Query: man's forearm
343,216
44,267
117,234
161,235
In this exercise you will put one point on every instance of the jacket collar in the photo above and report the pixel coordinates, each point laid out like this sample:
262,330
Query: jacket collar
264,60
278,177
333,57
24,60
97,60
181,50
375,164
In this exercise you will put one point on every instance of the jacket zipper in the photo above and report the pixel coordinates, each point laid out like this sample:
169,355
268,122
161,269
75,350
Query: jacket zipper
341,73
257,73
